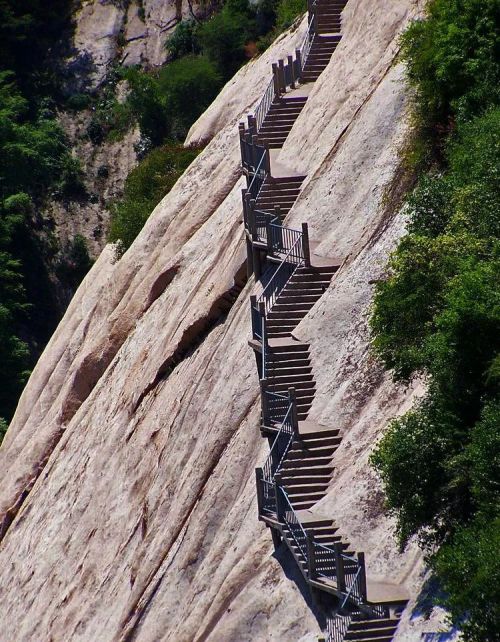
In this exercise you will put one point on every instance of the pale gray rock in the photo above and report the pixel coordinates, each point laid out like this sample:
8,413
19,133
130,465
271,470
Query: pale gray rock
128,496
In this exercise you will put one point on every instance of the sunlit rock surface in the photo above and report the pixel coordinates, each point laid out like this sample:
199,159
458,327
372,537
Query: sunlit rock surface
128,497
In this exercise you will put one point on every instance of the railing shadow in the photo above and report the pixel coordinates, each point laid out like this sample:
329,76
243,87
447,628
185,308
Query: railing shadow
428,598
292,572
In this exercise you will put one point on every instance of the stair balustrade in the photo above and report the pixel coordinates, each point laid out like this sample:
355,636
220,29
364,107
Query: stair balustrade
305,48
294,258
265,102
287,515
281,445
254,156
266,201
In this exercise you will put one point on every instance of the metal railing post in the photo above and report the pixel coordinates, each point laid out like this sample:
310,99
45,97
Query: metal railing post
281,72
276,80
262,310
249,258
241,129
311,558
253,224
252,125
305,245
292,72
339,567
267,160
269,238
298,64
298,58
279,499
263,399
259,477
294,419
255,160
253,304
362,576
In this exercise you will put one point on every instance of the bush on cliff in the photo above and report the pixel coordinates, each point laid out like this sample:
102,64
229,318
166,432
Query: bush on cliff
437,315
145,186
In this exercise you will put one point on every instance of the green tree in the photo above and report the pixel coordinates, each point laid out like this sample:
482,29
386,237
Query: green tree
145,186
437,315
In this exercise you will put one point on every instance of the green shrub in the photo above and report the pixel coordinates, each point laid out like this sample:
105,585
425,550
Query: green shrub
287,12
78,102
188,85
183,41
145,186
469,569
222,39
453,60
3,429
437,315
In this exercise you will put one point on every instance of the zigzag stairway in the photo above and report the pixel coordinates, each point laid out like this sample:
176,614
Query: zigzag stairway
290,278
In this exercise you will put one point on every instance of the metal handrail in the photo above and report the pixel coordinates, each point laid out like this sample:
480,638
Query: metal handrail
257,176
306,45
264,104
284,271
294,525
286,429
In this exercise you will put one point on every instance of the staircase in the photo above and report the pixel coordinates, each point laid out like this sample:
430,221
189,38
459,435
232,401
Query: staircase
292,278
280,119
321,51
302,291
329,15
369,630
277,195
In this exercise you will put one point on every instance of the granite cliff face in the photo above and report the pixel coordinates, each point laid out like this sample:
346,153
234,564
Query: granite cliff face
128,499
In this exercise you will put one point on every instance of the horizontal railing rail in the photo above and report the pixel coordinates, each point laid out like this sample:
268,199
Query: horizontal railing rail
286,512
292,260
306,45
268,505
265,103
280,446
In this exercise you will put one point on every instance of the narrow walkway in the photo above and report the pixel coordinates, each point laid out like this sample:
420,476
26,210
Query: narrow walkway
291,276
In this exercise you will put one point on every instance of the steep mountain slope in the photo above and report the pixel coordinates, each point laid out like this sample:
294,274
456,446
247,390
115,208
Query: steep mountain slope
128,498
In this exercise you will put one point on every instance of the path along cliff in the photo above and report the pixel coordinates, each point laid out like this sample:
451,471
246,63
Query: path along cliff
128,494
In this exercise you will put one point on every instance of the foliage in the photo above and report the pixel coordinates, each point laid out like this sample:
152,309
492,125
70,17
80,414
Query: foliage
223,37
3,429
168,103
183,41
35,161
13,351
188,86
287,12
75,262
469,569
28,31
453,61
145,186
34,155
437,315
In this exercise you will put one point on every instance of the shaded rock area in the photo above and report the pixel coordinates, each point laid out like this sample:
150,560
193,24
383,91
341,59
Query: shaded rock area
128,498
